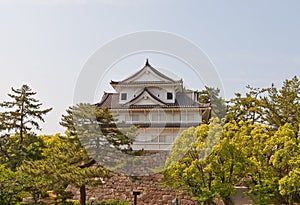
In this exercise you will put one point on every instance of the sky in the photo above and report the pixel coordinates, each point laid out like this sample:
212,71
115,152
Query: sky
46,43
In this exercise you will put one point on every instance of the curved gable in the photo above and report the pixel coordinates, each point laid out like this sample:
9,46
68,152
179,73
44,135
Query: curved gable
148,74
146,98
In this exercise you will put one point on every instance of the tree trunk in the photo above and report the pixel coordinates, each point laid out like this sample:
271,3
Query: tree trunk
82,195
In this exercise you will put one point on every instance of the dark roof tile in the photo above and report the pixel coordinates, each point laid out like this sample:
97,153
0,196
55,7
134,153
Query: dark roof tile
147,64
111,100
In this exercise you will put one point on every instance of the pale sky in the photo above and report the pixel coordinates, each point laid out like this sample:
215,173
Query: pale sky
45,43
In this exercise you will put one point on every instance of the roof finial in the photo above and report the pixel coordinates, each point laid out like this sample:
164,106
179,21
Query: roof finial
147,62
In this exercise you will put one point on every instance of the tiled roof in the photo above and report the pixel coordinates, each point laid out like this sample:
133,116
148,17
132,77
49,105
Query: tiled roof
111,100
143,82
147,65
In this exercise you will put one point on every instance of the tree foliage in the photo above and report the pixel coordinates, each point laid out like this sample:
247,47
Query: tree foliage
212,96
258,146
22,114
92,130
270,106
11,189
89,122
63,164
19,120
210,167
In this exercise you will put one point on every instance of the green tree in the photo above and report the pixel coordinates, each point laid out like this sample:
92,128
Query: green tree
11,189
247,108
20,118
89,122
211,166
283,147
272,161
289,186
92,130
270,106
251,138
283,105
64,163
259,145
212,96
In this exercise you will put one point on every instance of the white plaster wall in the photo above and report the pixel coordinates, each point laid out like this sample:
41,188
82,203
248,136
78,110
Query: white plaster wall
145,139
147,75
159,92
156,116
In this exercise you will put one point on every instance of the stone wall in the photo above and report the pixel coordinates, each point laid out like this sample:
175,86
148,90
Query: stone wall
120,187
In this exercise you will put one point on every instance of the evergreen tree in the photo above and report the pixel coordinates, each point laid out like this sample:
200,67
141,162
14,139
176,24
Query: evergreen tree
22,112
283,105
247,108
212,96
64,163
90,129
19,120
270,106
89,122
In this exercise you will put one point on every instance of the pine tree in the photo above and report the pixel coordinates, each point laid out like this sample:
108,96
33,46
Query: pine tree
88,123
270,106
64,163
212,96
19,120
283,105
249,107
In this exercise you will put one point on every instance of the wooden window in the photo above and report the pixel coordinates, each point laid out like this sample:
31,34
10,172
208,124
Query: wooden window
169,96
123,96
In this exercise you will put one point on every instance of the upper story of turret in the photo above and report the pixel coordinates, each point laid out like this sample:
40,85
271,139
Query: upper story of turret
148,85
